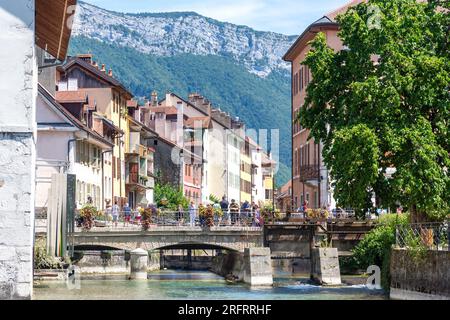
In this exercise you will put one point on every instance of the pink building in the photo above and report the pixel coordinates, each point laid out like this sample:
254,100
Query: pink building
310,177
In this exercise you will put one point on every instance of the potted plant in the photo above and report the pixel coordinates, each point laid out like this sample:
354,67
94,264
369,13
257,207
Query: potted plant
209,217
88,213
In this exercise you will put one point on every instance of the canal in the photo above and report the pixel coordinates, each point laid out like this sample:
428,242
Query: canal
196,285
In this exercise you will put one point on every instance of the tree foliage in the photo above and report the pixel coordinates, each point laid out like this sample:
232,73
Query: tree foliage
383,103
170,197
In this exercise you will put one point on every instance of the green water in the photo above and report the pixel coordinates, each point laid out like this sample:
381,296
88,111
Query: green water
192,285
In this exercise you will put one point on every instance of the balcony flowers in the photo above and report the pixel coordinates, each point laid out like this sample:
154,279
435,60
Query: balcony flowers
317,214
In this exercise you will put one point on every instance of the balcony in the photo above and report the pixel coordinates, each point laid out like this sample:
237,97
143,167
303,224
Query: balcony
309,173
140,181
138,149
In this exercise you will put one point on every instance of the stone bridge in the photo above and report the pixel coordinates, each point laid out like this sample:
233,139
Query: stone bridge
232,238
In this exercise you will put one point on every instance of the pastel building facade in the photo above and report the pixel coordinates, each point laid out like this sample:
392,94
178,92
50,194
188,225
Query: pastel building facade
81,73
310,177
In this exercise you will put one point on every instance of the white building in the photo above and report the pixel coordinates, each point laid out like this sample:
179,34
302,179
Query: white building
66,145
23,26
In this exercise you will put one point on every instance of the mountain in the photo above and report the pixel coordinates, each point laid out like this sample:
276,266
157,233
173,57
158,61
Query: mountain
237,68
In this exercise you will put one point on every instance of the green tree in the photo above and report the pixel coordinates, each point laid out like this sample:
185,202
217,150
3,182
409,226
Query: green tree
383,103
170,197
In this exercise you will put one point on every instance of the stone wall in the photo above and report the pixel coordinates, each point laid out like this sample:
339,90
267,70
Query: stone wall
94,262
18,79
427,278
229,263
253,267
168,171
182,262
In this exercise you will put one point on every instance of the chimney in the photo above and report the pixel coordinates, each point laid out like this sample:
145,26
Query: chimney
103,68
95,64
154,99
86,57
110,73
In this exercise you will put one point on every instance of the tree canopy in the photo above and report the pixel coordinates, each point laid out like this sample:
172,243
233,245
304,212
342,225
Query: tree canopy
382,104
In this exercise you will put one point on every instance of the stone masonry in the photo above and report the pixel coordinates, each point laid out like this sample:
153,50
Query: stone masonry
18,79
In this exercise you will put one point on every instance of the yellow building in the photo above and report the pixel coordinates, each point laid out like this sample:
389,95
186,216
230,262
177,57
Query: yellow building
268,170
81,73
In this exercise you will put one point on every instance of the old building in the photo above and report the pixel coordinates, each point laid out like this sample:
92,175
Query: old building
67,143
284,197
82,73
311,180
139,167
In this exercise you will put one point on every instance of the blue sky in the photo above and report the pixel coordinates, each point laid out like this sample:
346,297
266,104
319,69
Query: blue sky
284,16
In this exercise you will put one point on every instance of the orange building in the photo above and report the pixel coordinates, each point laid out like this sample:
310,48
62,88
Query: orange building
310,177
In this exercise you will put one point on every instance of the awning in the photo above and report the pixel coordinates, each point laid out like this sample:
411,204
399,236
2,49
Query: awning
54,20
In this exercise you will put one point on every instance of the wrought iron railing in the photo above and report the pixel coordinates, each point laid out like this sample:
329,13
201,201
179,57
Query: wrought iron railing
310,172
433,236
175,219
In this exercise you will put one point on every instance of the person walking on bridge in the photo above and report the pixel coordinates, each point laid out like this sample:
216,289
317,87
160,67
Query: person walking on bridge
192,214
224,205
234,210
115,213
127,213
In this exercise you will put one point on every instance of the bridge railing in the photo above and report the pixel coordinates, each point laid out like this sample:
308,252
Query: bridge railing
176,219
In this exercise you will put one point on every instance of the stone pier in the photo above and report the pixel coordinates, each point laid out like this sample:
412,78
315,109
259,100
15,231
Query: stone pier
325,266
139,264
253,267
258,267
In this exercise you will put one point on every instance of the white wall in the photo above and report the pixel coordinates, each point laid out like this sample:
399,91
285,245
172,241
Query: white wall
18,89
234,168
258,190
217,169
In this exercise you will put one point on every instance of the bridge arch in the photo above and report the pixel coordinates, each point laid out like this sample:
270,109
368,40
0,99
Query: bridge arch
232,240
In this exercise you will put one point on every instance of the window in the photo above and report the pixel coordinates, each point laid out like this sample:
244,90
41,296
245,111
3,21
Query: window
300,162
119,168
92,156
78,197
86,153
114,167
301,79
72,84
78,152
316,200
296,162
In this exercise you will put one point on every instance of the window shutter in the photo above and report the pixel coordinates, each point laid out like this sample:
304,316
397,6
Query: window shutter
114,167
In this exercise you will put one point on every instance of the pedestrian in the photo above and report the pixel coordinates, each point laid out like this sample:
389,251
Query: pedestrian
180,215
224,205
192,214
115,213
127,214
138,216
234,211
257,217
305,206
